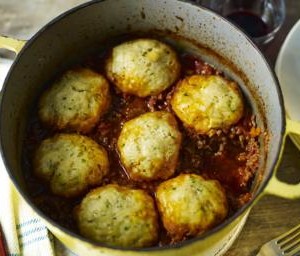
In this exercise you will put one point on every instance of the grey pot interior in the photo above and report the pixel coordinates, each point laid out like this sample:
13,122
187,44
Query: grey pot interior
82,30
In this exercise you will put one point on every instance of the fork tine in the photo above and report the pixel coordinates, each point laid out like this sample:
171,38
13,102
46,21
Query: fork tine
290,242
281,239
294,252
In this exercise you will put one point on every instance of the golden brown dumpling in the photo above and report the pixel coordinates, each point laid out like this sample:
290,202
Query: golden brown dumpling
75,101
205,103
190,205
118,216
70,163
149,146
143,67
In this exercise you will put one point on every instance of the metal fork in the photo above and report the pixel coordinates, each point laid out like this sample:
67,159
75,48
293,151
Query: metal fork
288,244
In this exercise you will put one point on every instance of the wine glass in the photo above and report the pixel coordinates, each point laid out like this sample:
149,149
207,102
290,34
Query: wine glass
260,19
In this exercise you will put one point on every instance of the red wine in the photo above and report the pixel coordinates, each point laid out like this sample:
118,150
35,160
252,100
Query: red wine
252,24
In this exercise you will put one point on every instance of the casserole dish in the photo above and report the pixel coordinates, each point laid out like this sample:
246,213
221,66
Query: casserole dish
77,32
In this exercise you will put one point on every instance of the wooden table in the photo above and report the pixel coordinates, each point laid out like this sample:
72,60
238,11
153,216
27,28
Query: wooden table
272,216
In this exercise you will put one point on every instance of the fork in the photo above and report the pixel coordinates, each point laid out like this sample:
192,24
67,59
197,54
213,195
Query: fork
287,244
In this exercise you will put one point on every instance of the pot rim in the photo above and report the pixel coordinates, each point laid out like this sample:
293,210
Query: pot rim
185,243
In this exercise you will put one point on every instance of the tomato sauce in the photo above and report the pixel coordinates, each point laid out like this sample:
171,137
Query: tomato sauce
230,156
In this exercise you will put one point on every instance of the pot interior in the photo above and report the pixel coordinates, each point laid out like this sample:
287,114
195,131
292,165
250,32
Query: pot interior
83,30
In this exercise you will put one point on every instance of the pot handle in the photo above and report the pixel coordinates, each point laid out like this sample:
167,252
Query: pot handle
277,187
292,126
11,44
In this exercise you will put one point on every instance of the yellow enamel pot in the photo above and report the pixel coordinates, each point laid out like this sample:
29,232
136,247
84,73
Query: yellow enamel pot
81,30
275,186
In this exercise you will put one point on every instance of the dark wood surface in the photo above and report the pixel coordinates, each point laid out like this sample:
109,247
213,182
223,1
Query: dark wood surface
272,216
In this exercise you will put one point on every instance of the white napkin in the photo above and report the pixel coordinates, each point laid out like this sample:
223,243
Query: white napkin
25,234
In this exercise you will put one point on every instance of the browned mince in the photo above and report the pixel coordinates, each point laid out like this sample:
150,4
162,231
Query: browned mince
230,156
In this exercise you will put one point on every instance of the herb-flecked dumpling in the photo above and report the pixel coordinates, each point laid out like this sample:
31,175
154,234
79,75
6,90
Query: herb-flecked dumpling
70,163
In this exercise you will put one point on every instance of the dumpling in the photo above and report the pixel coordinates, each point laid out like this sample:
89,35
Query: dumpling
190,205
118,216
70,163
206,103
76,101
149,146
143,67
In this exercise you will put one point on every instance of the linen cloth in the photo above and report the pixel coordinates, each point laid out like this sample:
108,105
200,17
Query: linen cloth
25,233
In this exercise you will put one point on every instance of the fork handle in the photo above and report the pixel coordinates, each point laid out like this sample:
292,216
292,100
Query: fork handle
261,253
